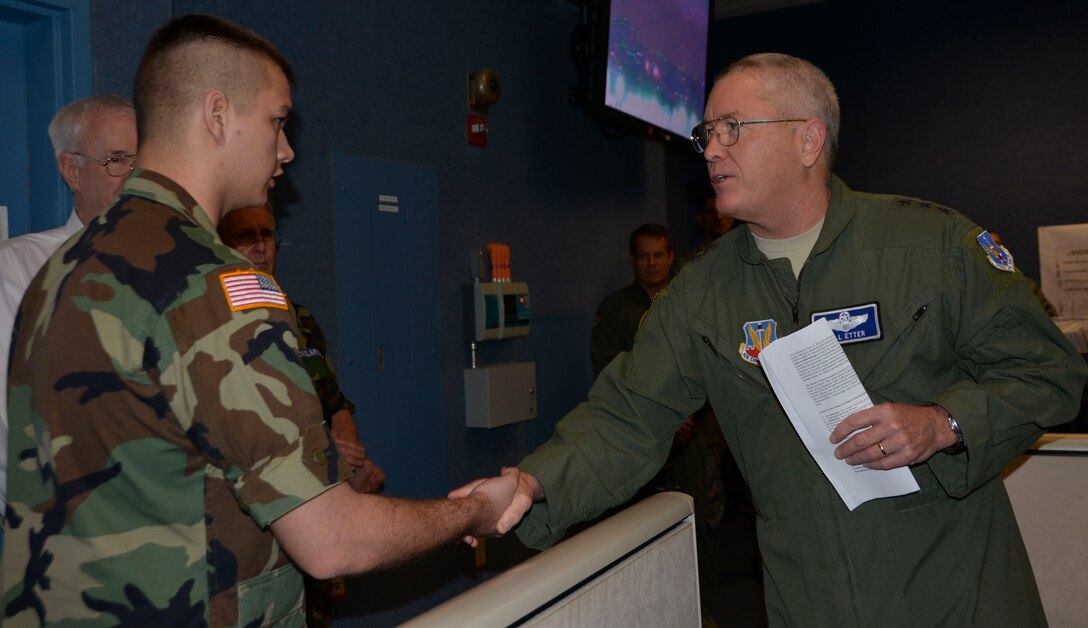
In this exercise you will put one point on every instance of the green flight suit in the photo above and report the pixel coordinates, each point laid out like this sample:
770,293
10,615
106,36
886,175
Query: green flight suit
956,331
695,466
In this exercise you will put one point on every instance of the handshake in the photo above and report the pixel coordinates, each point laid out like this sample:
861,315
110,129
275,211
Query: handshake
505,499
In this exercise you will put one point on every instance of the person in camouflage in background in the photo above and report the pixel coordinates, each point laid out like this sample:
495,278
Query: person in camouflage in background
337,409
251,231
169,461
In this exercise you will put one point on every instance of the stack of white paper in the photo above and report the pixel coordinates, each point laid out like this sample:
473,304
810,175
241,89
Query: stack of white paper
818,388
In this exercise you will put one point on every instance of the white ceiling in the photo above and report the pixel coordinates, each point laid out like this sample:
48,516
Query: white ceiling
733,8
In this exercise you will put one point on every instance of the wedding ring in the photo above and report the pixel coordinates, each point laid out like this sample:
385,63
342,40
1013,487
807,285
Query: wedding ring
881,446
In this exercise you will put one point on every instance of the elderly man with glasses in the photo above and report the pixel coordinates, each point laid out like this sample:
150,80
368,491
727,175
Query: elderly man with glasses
94,140
965,368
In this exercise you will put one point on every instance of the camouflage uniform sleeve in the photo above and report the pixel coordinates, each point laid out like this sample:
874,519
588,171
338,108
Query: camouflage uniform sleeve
315,357
245,400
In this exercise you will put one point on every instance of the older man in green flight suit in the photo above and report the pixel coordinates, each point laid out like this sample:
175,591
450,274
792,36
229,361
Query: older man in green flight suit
965,368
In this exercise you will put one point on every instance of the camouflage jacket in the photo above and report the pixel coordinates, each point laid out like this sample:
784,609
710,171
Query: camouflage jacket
161,420
314,353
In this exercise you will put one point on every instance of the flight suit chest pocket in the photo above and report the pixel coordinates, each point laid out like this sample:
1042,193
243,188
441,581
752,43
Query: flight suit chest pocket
722,357
913,331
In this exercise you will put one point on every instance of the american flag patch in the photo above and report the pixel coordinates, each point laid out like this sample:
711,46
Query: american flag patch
249,289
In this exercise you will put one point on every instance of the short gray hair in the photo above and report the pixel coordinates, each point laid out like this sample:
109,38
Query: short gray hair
67,126
807,89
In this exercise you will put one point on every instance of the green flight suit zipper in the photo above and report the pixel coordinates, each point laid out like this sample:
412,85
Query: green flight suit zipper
797,296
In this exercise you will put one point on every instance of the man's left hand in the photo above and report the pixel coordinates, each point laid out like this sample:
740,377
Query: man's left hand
892,435
368,478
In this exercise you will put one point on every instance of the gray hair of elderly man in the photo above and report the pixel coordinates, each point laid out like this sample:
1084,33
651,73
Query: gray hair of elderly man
802,89
68,123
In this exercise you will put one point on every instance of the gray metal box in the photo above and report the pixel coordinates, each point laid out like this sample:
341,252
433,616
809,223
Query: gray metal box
501,394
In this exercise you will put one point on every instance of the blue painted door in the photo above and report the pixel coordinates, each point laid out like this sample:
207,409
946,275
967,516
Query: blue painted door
45,62
387,313
14,149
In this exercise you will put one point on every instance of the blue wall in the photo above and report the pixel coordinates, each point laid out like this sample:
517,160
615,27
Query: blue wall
975,105
978,109
387,79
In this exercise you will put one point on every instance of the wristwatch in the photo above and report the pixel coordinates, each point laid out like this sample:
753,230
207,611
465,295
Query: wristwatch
959,447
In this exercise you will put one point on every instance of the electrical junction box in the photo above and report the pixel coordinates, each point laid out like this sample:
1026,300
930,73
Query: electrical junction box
497,310
500,395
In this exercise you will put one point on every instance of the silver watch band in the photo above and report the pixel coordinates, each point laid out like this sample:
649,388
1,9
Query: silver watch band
959,446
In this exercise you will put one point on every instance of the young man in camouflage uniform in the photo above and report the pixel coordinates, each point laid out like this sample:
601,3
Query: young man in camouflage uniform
170,461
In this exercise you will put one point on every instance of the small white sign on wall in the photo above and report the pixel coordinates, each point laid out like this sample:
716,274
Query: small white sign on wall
1063,268
3,222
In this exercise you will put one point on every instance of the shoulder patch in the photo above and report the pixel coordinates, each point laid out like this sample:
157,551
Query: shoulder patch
251,289
998,256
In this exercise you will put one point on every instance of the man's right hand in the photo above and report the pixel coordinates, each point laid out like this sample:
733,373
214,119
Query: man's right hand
340,531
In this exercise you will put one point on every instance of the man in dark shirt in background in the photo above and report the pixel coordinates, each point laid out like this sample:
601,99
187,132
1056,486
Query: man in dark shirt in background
694,464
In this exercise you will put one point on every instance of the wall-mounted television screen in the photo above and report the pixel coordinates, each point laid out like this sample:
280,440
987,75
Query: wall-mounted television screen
649,63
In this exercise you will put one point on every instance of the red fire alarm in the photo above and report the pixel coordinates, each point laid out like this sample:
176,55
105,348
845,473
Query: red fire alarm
477,129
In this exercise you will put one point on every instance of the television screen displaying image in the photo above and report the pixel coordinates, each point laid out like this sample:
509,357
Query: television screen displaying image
656,65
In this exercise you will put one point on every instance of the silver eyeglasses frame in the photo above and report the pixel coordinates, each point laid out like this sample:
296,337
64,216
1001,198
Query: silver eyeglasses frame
701,134
115,164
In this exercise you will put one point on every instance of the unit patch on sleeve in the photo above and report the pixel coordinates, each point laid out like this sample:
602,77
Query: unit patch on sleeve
997,254
858,323
251,289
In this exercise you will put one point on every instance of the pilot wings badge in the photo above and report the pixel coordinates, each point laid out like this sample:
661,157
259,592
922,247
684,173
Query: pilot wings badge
845,322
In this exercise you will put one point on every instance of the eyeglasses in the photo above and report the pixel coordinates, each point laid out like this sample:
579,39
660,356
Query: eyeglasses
726,129
249,237
118,165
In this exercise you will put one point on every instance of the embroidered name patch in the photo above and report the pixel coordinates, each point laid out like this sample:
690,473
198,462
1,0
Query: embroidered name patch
251,289
859,323
757,335
998,255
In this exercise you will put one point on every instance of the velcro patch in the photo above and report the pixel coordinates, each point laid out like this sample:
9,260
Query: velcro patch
998,256
858,323
251,289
